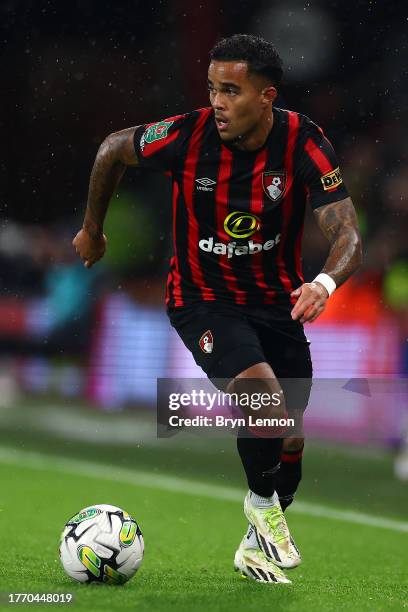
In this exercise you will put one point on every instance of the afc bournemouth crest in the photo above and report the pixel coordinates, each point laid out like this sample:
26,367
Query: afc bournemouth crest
206,342
274,184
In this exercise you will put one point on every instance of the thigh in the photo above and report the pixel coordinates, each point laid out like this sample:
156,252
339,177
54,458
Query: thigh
287,351
221,340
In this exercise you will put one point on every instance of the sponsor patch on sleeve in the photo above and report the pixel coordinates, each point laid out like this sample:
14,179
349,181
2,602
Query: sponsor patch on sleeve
154,132
332,179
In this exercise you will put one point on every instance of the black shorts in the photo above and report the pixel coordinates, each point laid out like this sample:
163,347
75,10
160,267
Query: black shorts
227,339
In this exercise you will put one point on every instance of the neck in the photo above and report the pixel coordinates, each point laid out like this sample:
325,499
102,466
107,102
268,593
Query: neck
256,138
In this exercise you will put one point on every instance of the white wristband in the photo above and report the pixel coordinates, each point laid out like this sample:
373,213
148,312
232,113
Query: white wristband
327,282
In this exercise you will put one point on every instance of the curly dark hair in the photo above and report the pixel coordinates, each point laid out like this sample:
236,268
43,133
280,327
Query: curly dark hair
260,55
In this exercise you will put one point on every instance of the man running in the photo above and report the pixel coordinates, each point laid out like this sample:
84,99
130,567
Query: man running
243,172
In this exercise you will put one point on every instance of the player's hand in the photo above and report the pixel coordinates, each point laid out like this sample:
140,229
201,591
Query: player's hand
90,248
311,301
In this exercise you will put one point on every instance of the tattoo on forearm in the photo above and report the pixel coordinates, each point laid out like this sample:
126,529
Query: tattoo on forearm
338,222
109,167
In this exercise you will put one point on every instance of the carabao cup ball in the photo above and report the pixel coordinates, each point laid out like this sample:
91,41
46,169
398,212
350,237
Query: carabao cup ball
103,544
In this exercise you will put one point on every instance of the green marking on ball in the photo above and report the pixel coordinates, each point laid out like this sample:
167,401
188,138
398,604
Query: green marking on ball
127,533
85,515
90,559
111,576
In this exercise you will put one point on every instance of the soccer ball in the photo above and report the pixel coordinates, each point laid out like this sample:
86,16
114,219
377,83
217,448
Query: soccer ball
103,544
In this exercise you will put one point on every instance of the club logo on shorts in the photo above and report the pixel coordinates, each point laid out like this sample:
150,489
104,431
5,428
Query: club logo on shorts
241,225
206,342
274,184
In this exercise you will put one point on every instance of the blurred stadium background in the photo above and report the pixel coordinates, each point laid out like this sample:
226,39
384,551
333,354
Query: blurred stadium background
78,345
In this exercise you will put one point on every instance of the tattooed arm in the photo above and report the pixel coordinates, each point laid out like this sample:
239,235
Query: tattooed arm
338,222
114,155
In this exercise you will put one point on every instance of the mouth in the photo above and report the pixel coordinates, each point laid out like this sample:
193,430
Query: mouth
222,123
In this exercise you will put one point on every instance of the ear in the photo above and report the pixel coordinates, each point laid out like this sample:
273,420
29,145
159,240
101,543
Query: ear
269,94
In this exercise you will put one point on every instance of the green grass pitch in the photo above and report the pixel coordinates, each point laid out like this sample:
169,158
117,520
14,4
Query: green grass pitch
190,538
190,542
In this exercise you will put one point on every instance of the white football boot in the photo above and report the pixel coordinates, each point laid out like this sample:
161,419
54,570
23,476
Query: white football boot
272,532
251,562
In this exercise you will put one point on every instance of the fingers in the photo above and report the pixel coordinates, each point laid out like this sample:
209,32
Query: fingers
90,261
86,259
310,303
314,317
90,250
296,292
308,311
309,314
312,313
301,306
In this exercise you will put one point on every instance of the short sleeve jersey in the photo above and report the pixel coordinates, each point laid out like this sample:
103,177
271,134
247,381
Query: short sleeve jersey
238,216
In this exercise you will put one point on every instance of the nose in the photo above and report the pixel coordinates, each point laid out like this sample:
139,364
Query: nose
218,101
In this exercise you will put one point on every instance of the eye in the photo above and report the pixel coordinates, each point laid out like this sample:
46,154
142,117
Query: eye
231,92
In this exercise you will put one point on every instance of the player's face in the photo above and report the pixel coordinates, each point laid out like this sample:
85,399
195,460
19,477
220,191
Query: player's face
239,99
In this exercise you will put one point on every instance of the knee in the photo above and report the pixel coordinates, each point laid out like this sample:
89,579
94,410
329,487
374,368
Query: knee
293,444
260,380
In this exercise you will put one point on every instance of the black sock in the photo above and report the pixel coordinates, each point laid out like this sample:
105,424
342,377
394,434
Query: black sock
260,458
289,476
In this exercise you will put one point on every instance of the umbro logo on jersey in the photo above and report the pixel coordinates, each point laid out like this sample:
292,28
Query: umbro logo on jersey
205,184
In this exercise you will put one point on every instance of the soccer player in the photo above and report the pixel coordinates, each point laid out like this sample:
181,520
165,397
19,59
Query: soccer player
243,172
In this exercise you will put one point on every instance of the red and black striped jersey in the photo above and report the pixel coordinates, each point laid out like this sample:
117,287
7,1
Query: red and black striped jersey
237,215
